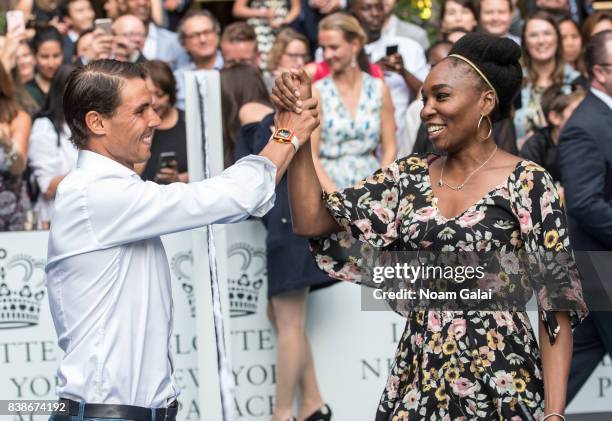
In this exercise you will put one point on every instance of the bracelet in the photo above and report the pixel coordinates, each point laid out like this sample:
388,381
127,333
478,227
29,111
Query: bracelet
553,414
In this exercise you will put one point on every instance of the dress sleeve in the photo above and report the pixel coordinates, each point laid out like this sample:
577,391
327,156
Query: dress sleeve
370,213
549,257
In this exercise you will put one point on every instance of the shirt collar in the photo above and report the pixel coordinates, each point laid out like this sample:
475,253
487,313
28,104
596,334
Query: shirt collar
607,99
99,163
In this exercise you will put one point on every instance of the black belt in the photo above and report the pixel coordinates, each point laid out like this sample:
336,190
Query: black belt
127,412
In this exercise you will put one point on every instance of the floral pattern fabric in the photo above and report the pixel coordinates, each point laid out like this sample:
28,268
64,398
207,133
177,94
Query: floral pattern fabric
459,365
348,144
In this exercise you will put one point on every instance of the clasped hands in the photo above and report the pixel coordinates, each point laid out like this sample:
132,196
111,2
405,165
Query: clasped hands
297,109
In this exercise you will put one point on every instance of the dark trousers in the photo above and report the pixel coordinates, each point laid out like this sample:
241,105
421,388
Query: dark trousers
592,340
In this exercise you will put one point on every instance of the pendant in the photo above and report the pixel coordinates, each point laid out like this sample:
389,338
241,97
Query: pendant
460,187
440,183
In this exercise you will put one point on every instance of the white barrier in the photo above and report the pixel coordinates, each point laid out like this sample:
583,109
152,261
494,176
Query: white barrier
352,348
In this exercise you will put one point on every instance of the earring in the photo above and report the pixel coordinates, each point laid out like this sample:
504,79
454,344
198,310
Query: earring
354,61
490,126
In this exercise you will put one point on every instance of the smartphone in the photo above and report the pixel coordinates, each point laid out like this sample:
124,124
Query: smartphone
105,24
15,21
166,160
391,49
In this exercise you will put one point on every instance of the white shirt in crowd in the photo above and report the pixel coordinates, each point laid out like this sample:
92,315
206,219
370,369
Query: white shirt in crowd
397,27
49,157
179,76
416,63
108,278
162,44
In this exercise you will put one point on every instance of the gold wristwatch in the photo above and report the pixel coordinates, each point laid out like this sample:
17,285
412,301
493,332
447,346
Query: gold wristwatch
286,136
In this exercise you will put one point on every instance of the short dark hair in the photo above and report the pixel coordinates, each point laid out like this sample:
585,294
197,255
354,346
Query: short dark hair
64,9
197,13
48,33
468,4
95,87
239,31
596,51
162,76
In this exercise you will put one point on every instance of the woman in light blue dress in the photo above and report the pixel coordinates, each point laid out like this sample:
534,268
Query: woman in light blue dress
357,132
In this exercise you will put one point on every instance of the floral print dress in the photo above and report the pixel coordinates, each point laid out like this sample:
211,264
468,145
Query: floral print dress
458,365
348,145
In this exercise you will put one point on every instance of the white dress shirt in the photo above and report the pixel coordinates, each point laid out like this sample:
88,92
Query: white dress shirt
401,28
108,278
607,99
48,159
416,63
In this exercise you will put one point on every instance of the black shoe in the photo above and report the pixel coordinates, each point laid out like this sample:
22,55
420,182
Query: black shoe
322,414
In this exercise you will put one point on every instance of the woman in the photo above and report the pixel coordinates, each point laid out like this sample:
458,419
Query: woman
571,41
267,17
543,146
240,84
171,135
458,14
48,52
458,365
544,66
292,274
15,127
496,18
290,50
25,63
355,108
52,155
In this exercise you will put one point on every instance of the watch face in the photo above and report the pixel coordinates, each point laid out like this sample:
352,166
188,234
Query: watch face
283,133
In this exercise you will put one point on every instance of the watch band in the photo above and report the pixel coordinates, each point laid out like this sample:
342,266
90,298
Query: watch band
294,142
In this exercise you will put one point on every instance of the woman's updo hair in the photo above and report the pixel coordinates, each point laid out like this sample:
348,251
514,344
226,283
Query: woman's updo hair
498,59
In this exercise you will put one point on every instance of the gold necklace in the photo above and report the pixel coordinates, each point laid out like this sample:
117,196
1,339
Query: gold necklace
441,182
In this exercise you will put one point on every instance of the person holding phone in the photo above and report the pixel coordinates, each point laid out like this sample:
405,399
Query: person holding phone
168,161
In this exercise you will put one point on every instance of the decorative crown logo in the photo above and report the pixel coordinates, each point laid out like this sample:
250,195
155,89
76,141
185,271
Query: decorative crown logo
20,291
178,268
244,286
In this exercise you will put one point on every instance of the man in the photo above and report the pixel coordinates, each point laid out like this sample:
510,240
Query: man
108,278
160,43
199,35
79,16
496,18
395,26
405,69
130,32
239,45
585,150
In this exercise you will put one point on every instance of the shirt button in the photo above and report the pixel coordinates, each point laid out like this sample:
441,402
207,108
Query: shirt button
284,220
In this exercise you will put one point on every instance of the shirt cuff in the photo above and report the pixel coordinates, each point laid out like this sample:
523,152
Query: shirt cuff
266,193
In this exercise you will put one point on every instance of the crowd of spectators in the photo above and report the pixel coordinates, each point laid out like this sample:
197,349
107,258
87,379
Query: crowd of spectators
330,39
367,66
